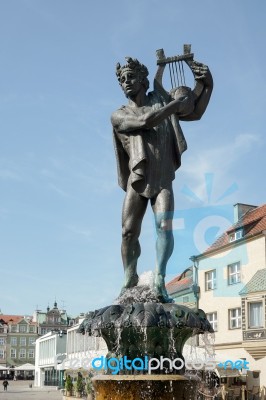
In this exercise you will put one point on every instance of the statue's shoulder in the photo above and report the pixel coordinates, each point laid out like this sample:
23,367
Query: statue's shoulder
120,110
117,116
155,97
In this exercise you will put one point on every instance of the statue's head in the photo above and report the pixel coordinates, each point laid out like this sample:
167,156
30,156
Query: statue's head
139,69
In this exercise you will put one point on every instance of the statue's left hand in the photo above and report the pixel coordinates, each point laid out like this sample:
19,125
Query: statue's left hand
202,72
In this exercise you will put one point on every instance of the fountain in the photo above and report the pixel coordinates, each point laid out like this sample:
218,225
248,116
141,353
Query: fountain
145,331
143,340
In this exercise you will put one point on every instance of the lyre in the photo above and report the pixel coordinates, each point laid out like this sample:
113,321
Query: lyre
176,70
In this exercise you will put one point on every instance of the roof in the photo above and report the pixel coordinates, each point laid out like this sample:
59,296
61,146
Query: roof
15,319
256,284
180,282
253,223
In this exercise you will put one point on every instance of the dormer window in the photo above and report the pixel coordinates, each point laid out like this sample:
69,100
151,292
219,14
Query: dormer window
236,235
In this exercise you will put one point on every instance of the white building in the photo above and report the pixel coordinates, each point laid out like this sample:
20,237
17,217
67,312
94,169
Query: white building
81,349
50,350
57,352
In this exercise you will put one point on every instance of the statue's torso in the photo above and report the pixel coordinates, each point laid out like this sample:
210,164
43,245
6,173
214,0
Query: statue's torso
157,144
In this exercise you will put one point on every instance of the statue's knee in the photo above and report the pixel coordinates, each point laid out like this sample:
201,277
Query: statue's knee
128,234
164,226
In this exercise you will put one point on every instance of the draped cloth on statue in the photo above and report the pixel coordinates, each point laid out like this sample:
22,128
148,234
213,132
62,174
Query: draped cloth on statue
150,158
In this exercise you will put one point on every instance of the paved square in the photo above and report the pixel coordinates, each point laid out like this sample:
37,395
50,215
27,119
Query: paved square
20,390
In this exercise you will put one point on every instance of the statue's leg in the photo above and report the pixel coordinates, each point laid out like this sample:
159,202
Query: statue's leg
134,208
163,208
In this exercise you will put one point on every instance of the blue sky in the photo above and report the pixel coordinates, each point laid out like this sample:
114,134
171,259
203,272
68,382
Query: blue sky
60,204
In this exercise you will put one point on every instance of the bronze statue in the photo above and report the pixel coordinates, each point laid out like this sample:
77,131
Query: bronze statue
148,143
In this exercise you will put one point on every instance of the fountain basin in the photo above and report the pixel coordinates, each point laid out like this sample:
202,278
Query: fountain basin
145,329
144,387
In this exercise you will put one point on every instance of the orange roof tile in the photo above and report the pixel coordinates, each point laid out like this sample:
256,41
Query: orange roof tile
178,284
14,319
253,223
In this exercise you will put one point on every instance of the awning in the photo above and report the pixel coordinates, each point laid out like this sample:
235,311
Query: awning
3,368
228,373
25,367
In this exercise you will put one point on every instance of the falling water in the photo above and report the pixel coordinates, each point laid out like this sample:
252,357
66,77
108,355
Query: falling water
172,347
208,340
118,340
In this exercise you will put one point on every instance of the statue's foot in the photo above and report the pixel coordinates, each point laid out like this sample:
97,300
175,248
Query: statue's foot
160,289
130,282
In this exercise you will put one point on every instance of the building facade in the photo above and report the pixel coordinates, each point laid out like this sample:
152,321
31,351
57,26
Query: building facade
68,352
183,289
232,278
3,342
51,319
18,338
18,334
50,349
81,349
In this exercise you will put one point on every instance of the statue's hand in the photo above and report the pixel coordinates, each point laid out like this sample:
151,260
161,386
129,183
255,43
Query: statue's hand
202,72
185,98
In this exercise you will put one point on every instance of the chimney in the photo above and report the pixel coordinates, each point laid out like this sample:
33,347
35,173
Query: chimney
240,210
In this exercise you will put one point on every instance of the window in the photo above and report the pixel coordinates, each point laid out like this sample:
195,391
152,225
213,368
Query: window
255,317
22,341
212,318
32,329
31,353
210,280
14,328
13,353
238,234
234,273
2,341
185,299
43,331
31,341
23,328
13,341
22,353
2,355
235,318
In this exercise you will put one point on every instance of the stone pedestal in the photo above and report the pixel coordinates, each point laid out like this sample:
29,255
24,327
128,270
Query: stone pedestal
144,387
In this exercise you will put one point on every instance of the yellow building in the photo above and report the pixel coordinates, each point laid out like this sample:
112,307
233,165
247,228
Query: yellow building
232,278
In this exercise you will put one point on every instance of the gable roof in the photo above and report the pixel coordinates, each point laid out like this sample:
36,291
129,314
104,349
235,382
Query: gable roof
256,284
253,222
181,282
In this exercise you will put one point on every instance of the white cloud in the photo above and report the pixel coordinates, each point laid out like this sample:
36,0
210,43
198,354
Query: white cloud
218,160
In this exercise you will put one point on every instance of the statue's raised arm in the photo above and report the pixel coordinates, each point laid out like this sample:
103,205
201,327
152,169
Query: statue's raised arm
202,76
